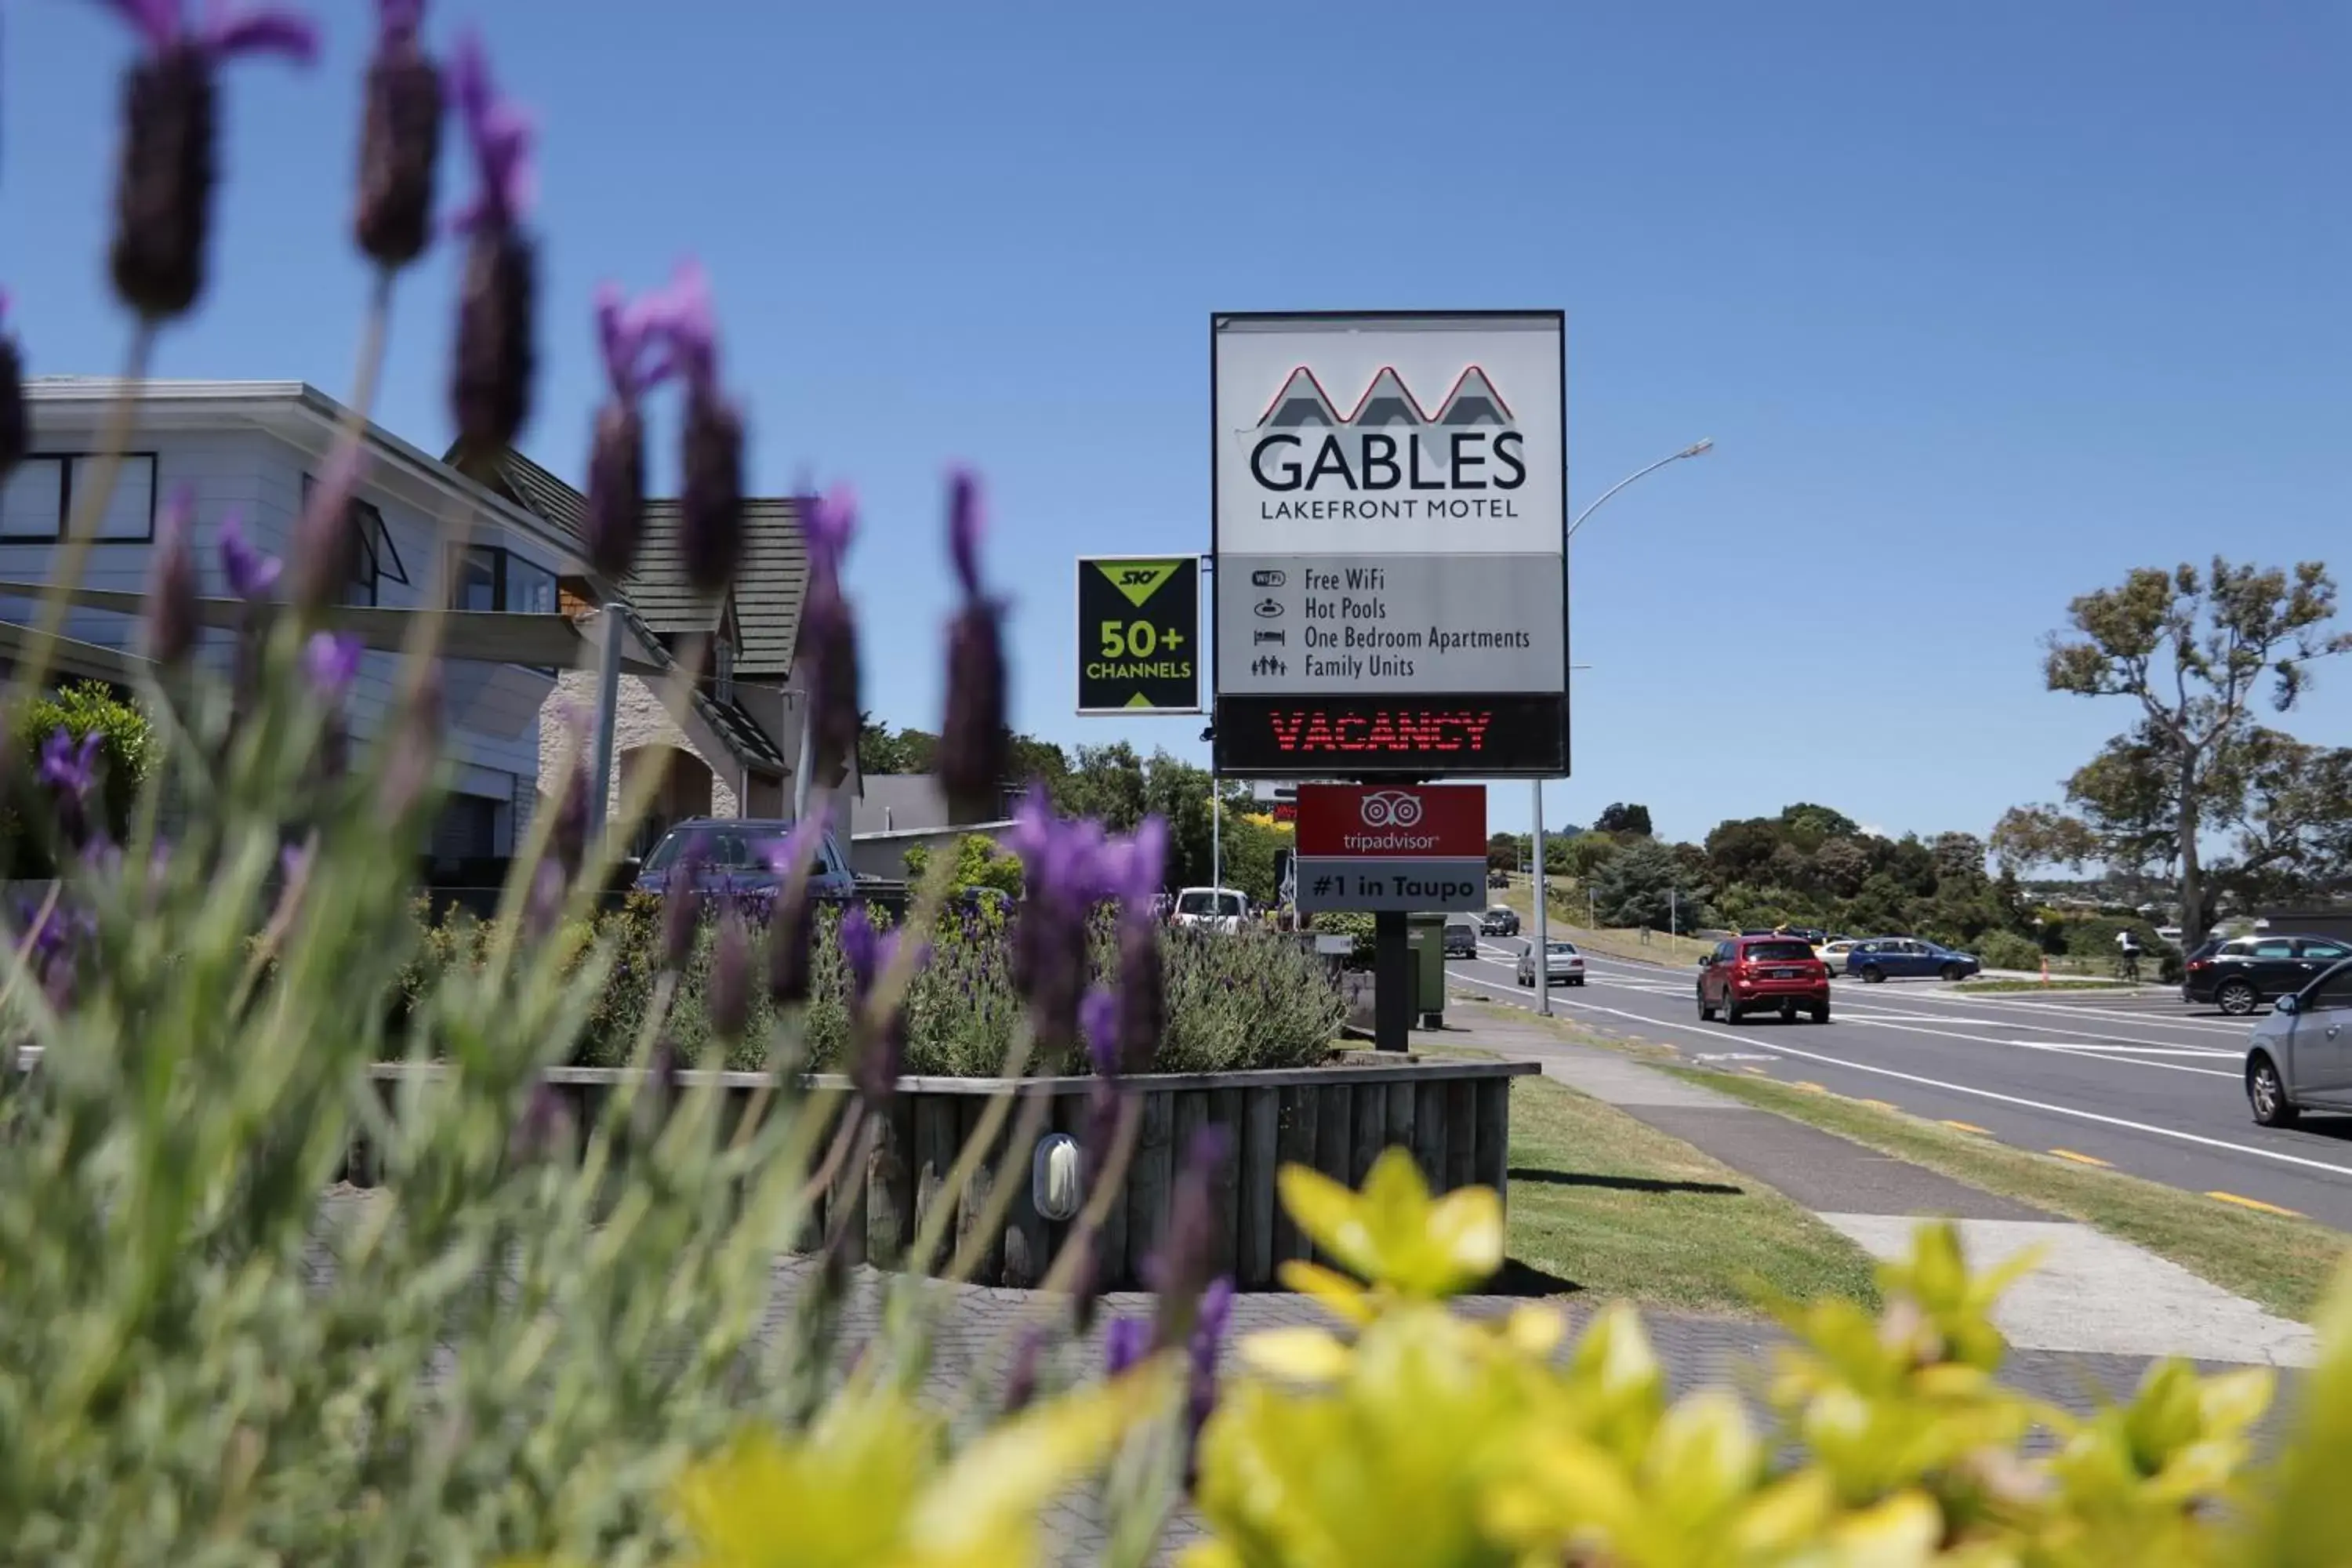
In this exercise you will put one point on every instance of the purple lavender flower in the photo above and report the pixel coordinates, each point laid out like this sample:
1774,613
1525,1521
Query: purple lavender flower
1020,1381
881,1041
975,744
330,661
1063,863
791,922
326,539
710,492
726,997
1142,976
1181,1268
171,590
544,1128
15,428
682,906
164,184
613,524
1099,1022
251,572
70,766
1200,1381
1126,1341
496,356
828,636
399,140
413,749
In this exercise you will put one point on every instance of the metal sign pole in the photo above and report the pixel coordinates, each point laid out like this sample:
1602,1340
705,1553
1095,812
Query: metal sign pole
1541,953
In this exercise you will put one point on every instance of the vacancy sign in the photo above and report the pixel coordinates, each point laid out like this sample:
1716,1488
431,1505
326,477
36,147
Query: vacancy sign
1389,847
1389,527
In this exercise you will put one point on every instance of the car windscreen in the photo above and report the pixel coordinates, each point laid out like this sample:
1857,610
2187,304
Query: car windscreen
1562,949
1204,904
1777,951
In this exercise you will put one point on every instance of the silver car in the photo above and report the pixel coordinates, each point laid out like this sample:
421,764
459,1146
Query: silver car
2300,1057
1563,965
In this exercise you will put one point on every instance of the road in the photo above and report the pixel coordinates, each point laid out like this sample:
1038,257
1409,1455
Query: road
2143,1083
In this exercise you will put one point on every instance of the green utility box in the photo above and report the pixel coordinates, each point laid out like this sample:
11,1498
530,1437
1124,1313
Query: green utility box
1425,934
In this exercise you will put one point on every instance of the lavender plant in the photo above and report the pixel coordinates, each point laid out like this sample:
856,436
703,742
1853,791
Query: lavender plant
548,1340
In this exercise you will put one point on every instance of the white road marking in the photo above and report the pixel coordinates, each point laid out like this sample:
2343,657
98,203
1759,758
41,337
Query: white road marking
2197,1138
1861,1010
2163,1021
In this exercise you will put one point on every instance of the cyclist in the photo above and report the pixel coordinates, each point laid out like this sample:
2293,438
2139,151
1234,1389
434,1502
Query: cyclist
2127,954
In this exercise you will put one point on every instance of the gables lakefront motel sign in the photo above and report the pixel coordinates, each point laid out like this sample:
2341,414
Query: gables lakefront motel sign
1389,577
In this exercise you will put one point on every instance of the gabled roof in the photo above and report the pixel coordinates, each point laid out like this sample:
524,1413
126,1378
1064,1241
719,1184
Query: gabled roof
742,733
768,591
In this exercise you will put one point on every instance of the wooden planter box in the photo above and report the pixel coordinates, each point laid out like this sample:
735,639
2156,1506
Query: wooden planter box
1454,1116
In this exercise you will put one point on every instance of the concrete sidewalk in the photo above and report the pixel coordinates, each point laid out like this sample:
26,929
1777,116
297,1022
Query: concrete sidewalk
2090,1294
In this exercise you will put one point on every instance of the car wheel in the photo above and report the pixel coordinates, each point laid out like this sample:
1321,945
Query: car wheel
1872,974
1954,972
1523,983
2236,998
1731,1014
1821,1014
1706,1008
2266,1096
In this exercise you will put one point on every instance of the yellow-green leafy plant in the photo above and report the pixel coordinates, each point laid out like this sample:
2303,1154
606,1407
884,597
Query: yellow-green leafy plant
1412,1434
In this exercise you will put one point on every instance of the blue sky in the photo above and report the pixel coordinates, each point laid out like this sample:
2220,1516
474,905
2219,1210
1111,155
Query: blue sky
1982,305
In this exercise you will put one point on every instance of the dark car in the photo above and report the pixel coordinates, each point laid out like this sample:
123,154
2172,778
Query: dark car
1761,974
741,856
1907,958
1462,937
2242,974
1500,920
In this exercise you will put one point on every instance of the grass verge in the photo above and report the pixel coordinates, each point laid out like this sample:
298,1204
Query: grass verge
1625,942
2285,1264
1603,1204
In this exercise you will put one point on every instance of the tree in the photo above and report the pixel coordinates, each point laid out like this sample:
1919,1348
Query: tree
1508,851
1647,884
1623,818
979,862
1584,855
1809,826
1107,783
1738,851
2193,649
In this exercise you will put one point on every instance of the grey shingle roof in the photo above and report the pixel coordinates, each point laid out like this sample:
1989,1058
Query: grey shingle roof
768,591
738,729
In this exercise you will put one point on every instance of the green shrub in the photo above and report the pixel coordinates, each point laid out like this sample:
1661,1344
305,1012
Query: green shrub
2006,950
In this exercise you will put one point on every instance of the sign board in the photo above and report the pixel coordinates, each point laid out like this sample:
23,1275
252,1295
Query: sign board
1138,634
1389,526
1392,846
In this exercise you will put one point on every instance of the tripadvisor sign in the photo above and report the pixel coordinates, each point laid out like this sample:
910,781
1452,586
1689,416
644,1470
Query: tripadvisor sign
1389,574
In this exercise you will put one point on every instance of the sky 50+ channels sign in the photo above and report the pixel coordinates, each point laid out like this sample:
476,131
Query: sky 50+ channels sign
1392,846
1391,592
1138,634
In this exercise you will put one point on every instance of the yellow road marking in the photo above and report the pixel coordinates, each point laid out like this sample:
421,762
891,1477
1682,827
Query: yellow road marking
2081,1159
2253,1203
1969,1127
1810,1088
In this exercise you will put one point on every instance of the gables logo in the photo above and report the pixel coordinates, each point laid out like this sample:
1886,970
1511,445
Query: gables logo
1448,463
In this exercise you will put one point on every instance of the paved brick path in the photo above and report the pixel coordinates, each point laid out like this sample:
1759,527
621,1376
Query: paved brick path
979,1326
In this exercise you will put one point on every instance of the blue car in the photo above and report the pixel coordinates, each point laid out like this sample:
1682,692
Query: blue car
739,855
1907,958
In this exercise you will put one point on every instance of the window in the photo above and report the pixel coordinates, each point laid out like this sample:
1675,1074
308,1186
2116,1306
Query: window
2325,951
491,577
2333,991
40,495
376,560
1778,951
2278,947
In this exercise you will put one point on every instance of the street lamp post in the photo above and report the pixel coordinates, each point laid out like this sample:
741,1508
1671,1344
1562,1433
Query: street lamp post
1542,949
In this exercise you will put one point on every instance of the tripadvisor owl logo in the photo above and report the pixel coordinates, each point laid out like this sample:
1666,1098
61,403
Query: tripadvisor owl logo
1389,456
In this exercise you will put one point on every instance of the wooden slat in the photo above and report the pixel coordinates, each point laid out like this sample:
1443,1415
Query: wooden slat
1261,1127
1149,1182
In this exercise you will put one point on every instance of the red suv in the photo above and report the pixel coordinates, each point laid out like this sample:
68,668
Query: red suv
1762,973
